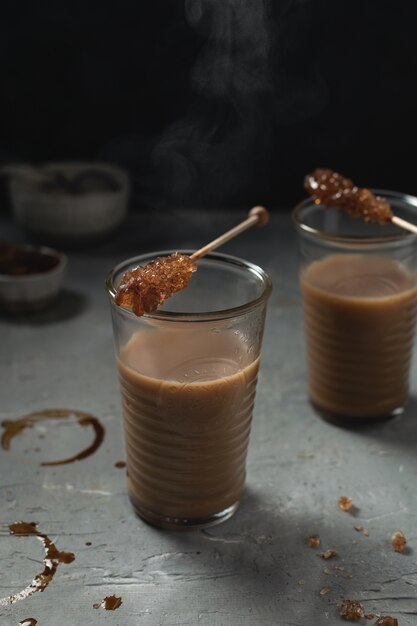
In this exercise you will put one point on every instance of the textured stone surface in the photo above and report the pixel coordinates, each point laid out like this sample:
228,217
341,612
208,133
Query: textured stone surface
256,569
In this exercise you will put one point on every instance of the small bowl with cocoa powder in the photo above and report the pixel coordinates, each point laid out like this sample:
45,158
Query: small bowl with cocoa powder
30,276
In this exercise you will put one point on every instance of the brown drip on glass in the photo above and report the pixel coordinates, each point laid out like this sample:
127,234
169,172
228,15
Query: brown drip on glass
53,557
110,603
120,464
15,427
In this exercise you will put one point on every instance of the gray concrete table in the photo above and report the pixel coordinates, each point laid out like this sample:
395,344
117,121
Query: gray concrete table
255,569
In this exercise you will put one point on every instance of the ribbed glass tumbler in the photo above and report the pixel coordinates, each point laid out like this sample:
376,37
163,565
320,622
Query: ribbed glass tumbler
188,376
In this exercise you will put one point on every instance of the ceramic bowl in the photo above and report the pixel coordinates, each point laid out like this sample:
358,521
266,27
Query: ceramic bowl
30,277
69,202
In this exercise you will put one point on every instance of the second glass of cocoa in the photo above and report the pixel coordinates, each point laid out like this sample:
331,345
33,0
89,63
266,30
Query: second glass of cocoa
188,374
359,294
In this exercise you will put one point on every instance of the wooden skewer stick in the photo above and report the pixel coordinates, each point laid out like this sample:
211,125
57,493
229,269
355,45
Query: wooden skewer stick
141,293
334,190
257,216
404,224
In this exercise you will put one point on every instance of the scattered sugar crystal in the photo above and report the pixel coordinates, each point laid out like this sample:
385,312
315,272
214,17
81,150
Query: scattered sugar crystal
398,541
386,620
314,541
352,610
328,554
345,503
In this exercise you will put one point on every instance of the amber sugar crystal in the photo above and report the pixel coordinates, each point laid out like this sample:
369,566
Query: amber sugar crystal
328,554
344,503
386,620
398,541
314,541
332,189
144,289
352,610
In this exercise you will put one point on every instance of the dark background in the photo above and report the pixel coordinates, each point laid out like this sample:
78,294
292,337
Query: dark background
214,103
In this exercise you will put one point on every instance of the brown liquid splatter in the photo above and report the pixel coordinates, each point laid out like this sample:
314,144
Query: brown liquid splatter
110,603
120,464
15,427
29,621
53,557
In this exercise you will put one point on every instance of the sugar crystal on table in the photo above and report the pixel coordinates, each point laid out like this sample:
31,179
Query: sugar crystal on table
352,610
398,541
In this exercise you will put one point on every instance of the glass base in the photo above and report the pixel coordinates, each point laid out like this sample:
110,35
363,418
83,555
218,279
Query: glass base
357,421
183,523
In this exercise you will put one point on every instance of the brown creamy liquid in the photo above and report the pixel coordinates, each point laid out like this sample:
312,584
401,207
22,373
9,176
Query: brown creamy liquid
359,317
188,400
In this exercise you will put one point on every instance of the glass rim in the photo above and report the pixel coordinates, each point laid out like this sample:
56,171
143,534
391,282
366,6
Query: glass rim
178,316
298,210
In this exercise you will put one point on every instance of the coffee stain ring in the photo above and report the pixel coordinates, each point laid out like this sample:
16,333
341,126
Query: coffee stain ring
15,427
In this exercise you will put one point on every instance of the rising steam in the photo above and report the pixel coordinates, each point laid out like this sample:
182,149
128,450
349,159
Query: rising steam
247,82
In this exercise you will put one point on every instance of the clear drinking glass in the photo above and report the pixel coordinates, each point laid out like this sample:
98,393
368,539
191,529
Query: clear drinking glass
359,293
188,375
